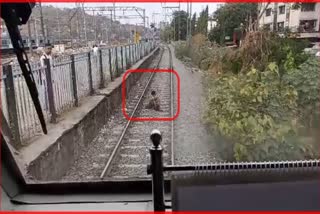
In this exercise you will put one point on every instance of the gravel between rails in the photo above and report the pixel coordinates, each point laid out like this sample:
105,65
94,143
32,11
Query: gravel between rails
134,150
93,159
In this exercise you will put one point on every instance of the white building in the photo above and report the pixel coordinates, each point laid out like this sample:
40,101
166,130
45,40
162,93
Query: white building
211,24
303,20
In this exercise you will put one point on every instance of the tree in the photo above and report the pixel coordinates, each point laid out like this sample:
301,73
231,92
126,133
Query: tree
202,24
166,34
179,25
193,24
231,16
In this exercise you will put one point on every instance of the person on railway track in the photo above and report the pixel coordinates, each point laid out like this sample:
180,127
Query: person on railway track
154,102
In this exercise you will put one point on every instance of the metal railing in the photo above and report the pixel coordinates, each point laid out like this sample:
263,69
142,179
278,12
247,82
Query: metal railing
223,173
61,83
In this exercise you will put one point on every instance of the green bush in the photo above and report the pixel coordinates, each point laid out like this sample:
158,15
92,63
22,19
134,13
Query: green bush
260,109
255,111
305,80
181,50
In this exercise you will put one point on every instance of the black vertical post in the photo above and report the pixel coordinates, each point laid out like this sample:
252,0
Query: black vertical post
130,56
110,65
126,56
117,65
11,104
101,70
122,61
90,74
157,171
52,106
74,81
135,53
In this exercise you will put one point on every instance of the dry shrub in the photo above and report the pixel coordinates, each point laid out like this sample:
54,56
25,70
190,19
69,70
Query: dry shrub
199,40
254,50
181,50
221,60
197,51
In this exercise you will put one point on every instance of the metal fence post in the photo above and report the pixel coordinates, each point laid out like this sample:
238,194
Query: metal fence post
90,74
11,104
156,169
122,61
74,81
101,71
110,65
130,56
137,50
52,106
134,53
117,64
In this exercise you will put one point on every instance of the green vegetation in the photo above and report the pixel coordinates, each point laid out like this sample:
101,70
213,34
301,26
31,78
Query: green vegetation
202,23
177,30
179,25
263,98
231,16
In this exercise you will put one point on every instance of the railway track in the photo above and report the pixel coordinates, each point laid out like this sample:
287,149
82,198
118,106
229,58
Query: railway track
130,154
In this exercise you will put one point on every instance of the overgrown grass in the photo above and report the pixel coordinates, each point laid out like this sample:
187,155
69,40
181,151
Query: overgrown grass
263,98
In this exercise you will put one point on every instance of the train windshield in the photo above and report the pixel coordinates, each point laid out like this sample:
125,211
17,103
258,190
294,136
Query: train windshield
221,83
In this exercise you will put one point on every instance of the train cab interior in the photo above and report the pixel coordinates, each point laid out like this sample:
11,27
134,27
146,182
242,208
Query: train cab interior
243,186
285,186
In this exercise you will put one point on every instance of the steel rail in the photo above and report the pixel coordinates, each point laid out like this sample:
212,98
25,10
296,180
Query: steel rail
172,104
115,150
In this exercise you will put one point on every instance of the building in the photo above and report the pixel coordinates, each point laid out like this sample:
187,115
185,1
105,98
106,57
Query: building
211,24
303,20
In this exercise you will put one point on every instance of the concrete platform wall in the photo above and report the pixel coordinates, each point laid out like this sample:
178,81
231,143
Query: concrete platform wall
57,157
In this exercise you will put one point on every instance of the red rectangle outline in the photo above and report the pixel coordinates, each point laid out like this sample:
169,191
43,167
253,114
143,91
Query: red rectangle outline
149,118
153,212
157,1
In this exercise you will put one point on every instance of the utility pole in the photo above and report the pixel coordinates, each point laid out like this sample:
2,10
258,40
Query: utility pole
95,26
36,32
114,10
179,30
59,30
42,24
144,18
111,27
78,28
29,33
84,25
47,32
154,19
114,20
275,17
190,20
187,21
174,29
174,20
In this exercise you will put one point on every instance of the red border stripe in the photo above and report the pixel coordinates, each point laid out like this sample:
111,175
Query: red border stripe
150,1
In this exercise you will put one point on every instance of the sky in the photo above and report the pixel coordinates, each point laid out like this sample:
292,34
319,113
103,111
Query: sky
149,7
